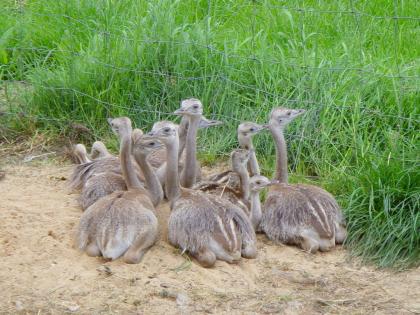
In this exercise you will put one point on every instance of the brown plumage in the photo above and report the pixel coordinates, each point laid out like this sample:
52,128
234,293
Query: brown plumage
222,191
206,226
122,223
247,196
82,172
108,164
102,184
303,215
225,188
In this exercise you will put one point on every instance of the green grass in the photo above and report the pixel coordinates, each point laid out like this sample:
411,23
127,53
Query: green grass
356,74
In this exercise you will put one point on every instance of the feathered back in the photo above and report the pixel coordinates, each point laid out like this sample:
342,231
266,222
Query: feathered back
196,216
82,172
288,210
224,191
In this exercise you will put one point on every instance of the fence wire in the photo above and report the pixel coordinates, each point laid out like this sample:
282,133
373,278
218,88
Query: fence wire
211,49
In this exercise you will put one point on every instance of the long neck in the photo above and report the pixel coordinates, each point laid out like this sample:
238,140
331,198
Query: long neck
161,173
173,189
189,174
281,155
244,179
182,134
255,211
127,166
151,179
253,166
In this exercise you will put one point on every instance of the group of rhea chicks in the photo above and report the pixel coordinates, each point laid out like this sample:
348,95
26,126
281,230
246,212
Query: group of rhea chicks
212,218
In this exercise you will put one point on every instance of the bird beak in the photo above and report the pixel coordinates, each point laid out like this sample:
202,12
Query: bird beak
179,111
265,126
216,122
301,111
109,120
274,182
209,123
268,184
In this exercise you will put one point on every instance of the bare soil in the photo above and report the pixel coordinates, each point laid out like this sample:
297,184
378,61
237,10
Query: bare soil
43,273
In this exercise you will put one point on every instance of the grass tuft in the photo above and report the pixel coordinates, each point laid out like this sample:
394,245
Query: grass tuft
383,212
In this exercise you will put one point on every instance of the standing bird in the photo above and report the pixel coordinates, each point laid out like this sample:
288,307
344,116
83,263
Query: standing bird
299,214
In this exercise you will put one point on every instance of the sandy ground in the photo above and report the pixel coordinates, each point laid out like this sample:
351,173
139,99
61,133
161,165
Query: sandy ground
42,273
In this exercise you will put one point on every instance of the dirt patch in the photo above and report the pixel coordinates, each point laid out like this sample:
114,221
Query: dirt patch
42,273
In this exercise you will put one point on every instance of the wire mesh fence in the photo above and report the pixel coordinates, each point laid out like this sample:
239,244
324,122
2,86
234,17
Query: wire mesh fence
231,75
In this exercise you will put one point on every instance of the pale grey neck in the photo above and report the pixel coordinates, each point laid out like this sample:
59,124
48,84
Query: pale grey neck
127,166
244,180
255,211
161,173
173,189
182,134
253,166
281,155
189,173
151,179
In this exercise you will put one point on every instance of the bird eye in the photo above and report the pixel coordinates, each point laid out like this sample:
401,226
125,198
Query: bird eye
152,143
258,182
166,130
195,106
252,129
289,113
